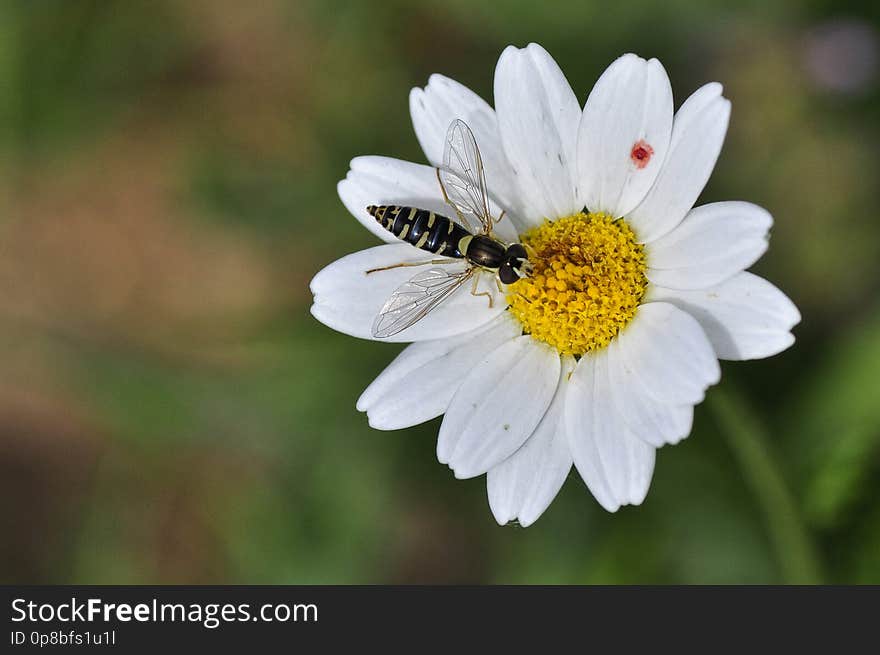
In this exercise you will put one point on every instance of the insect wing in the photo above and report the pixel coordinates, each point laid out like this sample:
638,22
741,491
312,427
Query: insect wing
462,174
413,300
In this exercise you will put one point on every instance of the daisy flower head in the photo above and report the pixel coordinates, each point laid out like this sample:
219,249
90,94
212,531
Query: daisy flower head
597,352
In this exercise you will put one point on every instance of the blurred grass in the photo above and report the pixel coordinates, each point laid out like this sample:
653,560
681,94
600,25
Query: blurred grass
170,412
748,441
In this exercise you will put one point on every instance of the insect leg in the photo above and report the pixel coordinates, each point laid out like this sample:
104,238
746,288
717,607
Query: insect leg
461,216
526,269
403,264
498,284
482,293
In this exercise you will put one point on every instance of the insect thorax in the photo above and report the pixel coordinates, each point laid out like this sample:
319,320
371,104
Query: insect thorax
483,251
510,262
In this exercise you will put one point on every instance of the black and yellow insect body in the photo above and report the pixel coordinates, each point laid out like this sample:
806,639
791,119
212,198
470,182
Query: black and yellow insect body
442,236
463,185
422,228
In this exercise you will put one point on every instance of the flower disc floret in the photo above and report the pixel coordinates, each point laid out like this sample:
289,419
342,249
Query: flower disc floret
588,281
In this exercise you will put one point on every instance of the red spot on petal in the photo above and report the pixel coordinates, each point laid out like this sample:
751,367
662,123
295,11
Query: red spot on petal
641,153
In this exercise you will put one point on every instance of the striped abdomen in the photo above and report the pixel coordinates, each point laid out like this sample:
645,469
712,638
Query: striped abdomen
422,228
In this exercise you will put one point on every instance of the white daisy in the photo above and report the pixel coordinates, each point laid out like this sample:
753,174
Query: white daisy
598,358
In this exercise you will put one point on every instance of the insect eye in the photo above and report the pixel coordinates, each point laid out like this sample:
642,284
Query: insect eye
506,274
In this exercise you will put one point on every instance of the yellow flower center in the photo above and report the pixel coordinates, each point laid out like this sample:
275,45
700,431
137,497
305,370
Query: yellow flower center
588,281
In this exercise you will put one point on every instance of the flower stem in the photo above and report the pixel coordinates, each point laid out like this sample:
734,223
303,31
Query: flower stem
748,440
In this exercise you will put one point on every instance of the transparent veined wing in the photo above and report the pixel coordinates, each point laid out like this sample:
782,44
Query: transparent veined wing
414,299
462,174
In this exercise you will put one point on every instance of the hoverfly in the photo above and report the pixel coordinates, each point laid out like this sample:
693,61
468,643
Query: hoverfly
463,184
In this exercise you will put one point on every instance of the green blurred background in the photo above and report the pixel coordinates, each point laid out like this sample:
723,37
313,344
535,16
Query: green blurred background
171,413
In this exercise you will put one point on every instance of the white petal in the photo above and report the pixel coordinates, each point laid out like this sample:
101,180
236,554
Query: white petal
435,107
631,103
348,299
671,353
523,486
697,134
744,317
386,181
419,384
498,406
651,419
616,465
712,243
538,116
